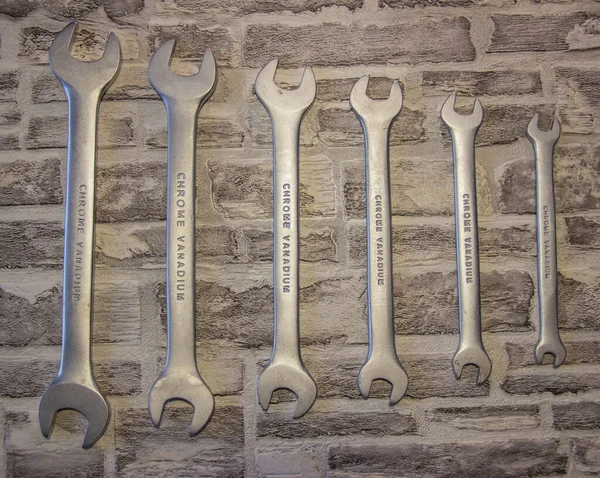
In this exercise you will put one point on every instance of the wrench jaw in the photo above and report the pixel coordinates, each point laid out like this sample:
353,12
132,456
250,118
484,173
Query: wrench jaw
185,386
171,85
389,370
555,347
74,396
73,73
473,355
460,122
279,375
384,111
538,136
274,98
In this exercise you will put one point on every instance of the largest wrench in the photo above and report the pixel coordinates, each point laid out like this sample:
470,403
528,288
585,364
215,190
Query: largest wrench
376,118
74,387
183,97
286,108
463,129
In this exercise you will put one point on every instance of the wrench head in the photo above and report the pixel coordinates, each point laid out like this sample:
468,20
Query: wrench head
291,377
390,370
460,122
473,355
185,386
367,109
74,396
537,135
169,84
91,75
290,101
556,348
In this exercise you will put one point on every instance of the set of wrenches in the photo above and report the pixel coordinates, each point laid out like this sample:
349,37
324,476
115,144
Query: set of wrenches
85,83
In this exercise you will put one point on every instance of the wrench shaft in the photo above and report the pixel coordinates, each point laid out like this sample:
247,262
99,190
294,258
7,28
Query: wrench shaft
379,240
546,241
467,240
286,239
79,235
181,235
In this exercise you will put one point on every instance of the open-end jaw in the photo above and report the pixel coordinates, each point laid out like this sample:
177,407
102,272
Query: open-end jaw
89,75
388,369
275,98
553,347
542,136
290,376
460,122
370,110
85,399
472,355
169,84
182,385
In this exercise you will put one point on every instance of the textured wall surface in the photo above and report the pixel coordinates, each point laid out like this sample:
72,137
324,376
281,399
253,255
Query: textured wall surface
518,56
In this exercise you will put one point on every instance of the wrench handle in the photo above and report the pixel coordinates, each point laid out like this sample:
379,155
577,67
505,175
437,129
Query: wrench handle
379,239
181,234
546,240
467,238
79,236
286,273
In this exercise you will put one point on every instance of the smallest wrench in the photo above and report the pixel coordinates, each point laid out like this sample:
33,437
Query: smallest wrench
543,144
463,129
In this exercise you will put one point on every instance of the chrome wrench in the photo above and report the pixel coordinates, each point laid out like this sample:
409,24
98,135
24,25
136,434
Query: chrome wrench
286,108
376,118
183,97
543,144
75,387
463,129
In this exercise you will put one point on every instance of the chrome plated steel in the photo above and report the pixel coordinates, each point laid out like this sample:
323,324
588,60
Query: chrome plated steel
543,144
286,108
463,129
75,387
376,118
183,97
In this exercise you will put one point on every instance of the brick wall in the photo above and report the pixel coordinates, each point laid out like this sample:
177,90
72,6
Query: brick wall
517,56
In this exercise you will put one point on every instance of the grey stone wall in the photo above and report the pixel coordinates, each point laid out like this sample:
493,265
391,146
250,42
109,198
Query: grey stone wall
517,56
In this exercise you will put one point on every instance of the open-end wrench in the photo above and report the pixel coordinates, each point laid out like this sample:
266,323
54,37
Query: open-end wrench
463,129
183,97
75,387
376,118
286,108
543,144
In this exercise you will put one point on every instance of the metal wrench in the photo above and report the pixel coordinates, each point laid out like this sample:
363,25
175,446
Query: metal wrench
183,97
286,108
376,118
75,387
543,144
463,129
